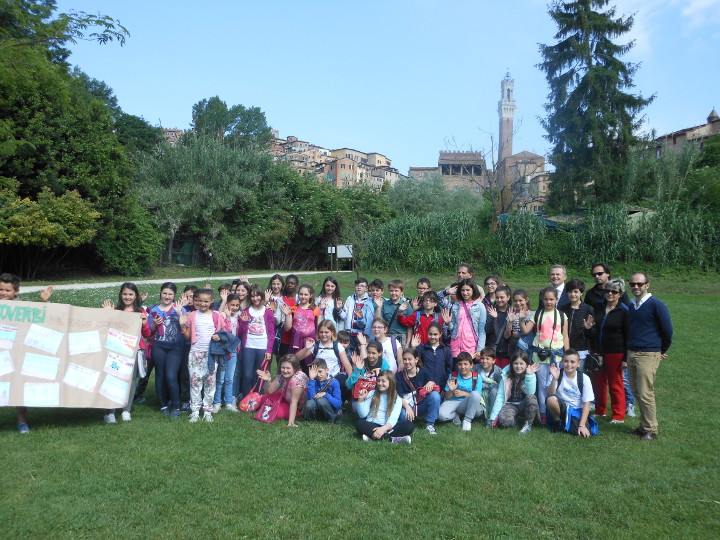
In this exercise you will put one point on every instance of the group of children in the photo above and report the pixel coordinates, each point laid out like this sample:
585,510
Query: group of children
457,355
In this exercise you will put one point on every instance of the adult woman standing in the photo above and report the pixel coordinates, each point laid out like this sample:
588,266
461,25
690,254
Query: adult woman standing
609,330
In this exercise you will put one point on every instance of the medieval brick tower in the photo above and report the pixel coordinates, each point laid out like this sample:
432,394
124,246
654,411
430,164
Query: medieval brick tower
506,112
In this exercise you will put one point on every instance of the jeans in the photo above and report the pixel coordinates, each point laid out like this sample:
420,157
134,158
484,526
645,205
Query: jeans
629,397
251,360
224,381
319,408
430,407
167,366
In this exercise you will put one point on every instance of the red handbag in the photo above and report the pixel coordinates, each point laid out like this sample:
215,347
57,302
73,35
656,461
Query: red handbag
366,382
251,401
422,393
268,412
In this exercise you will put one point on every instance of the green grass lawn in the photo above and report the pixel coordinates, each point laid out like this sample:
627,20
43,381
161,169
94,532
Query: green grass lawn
74,476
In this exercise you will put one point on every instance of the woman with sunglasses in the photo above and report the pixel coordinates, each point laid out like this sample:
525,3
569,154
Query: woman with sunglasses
609,330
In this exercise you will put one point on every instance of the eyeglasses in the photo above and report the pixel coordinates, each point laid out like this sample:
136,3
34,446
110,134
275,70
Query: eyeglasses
637,283
610,291
596,274
489,283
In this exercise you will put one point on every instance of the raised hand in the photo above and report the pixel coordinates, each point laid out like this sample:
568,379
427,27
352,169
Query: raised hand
362,394
452,384
244,279
272,305
107,304
183,317
244,316
492,312
286,309
357,361
224,294
339,303
415,341
208,286
313,372
264,375
404,306
415,303
589,322
361,339
143,296
554,370
446,316
47,293
532,368
309,342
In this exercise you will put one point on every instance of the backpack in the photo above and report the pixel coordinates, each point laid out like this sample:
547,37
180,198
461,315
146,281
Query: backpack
336,349
474,378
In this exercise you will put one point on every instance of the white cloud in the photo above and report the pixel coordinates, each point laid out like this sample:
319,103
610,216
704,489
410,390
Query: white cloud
700,12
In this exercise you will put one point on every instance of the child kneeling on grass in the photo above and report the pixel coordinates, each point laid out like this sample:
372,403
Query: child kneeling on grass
516,394
462,395
379,412
323,393
569,396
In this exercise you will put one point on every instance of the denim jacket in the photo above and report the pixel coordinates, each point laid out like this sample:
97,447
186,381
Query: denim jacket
478,316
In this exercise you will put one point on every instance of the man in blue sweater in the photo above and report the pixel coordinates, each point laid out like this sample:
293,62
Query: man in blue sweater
649,340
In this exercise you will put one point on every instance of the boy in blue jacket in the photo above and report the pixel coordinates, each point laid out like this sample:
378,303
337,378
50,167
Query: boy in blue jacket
323,394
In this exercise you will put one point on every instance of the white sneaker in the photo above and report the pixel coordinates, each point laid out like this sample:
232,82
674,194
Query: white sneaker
366,438
110,418
126,416
613,421
526,428
194,417
216,407
457,420
467,425
208,417
630,410
405,439
430,429
232,408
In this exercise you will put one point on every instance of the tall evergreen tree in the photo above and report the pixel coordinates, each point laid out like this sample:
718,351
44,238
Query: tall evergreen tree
591,115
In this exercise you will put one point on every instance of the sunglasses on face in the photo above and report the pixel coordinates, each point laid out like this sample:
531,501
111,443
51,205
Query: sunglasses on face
596,274
637,283
610,291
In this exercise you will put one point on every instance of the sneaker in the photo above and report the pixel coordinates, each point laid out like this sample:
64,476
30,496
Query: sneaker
338,418
23,428
216,407
185,406
430,429
467,425
630,410
232,408
405,439
592,406
139,399
543,419
613,421
175,413
194,417
457,420
526,428
126,416
165,411
366,438
110,418
207,416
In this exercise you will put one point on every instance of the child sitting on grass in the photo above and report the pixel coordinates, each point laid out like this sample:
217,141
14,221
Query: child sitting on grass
323,393
491,376
379,412
462,395
516,394
418,390
569,396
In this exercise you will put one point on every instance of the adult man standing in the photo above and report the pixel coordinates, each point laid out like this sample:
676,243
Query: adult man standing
557,276
600,272
448,295
649,340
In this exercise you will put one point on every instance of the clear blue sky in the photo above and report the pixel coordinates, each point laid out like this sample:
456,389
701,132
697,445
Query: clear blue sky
400,77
